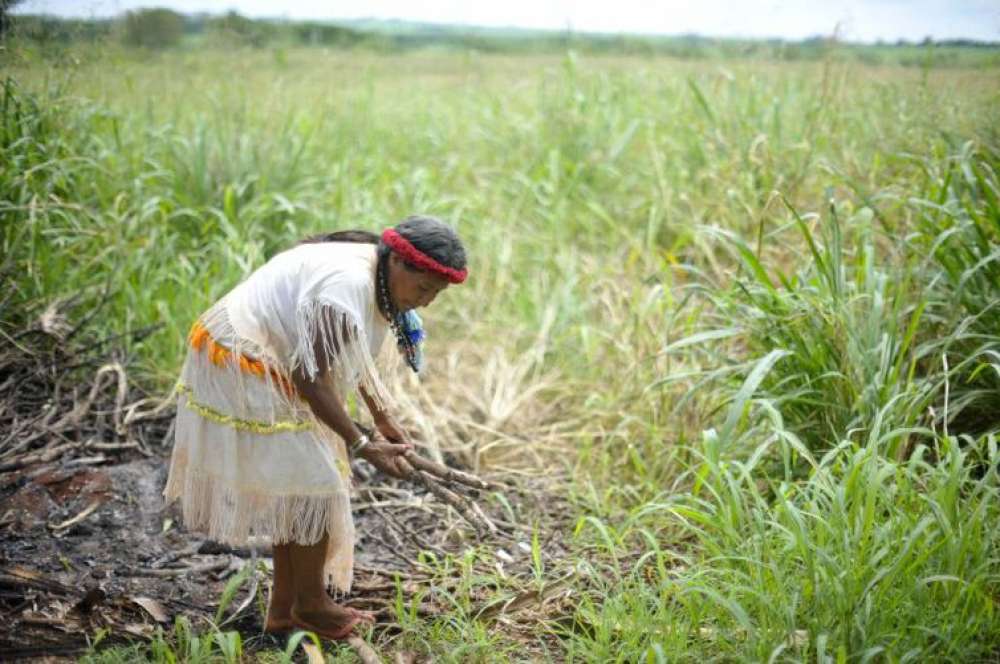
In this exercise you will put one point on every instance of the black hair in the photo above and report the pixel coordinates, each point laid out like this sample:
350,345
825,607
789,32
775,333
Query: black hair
434,238
428,234
359,236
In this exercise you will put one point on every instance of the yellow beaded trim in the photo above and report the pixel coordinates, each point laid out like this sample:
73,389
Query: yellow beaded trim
254,426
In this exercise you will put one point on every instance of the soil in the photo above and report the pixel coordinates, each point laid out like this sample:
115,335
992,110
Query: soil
129,566
92,549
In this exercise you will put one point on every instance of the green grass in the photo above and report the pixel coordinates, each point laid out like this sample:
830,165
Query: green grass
867,558
752,307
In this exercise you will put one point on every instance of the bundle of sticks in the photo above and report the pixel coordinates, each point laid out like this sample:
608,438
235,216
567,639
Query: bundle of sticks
442,481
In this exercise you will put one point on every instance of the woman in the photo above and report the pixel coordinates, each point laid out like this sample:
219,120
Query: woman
263,436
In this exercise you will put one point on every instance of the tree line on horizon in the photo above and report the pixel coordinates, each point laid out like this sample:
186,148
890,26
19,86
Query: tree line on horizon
161,28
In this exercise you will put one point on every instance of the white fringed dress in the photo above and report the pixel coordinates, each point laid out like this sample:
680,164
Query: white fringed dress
250,460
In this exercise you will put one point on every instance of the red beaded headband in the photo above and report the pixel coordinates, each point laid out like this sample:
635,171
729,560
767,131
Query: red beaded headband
419,259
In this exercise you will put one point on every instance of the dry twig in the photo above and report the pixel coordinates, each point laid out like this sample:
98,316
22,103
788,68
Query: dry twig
44,421
439,480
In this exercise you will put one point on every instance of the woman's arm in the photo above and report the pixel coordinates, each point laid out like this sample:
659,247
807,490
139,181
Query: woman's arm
326,402
320,391
386,423
374,408
324,399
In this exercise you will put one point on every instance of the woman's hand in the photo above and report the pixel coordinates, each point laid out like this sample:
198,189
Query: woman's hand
388,457
390,429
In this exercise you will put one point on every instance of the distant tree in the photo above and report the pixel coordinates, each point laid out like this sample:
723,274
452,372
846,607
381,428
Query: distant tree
55,31
327,35
5,20
153,28
232,27
195,23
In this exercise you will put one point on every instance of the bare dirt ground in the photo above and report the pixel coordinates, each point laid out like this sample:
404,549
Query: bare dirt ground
88,548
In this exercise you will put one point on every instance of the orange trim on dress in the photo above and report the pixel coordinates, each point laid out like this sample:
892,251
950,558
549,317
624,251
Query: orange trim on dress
201,340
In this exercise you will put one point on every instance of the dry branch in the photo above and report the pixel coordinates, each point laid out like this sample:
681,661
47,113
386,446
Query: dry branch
203,568
87,511
466,507
46,418
439,480
451,475
365,651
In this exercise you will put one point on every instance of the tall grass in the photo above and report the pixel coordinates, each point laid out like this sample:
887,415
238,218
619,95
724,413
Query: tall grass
752,308
847,321
958,223
868,558
829,515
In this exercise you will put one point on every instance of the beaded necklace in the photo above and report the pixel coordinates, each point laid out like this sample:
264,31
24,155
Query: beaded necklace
408,334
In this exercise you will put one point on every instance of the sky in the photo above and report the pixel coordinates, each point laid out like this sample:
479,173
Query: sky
852,20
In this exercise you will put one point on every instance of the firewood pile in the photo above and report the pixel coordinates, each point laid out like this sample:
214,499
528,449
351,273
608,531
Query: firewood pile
66,397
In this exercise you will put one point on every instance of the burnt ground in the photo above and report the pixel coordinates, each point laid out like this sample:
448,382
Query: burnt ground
89,551
124,564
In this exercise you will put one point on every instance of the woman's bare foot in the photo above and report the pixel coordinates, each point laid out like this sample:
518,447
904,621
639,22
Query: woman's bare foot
277,623
328,619
279,611
279,607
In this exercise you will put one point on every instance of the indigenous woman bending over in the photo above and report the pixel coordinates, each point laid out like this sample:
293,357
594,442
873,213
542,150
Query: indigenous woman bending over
263,438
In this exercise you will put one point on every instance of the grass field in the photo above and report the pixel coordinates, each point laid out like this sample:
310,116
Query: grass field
746,315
